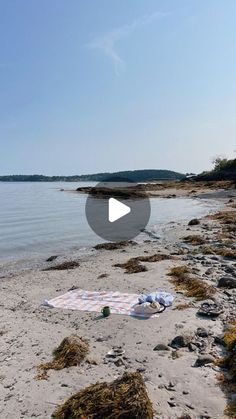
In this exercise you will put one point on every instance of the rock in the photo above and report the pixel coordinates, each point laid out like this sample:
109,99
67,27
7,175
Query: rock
161,347
209,271
171,385
171,404
141,369
207,263
229,270
180,341
74,287
175,354
169,388
210,309
219,340
119,362
103,338
202,333
214,258
204,360
192,347
194,222
190,406
227,282
52,258
200,258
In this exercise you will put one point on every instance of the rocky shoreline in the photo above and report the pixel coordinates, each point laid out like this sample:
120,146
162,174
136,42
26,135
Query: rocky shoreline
176,353
166,189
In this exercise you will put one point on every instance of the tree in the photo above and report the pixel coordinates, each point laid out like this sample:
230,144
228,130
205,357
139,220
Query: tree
219,162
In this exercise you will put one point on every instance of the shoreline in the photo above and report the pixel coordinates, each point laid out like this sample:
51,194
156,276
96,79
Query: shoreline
30,331
36,261
168,189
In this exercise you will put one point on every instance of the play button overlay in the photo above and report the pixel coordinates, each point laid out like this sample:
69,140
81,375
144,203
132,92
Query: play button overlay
117,209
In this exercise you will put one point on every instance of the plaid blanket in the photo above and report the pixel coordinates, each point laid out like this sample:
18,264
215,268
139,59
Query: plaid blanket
119,303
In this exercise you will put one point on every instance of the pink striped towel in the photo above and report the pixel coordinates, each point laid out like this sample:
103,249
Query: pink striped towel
119,303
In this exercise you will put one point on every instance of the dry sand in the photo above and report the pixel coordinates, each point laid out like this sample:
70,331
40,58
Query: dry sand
174,385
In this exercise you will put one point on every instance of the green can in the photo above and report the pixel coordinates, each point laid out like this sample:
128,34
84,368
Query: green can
106,311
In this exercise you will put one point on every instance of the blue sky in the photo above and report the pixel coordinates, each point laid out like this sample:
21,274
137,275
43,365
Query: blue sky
101,85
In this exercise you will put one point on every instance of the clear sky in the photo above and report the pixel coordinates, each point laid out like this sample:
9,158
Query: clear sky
106,85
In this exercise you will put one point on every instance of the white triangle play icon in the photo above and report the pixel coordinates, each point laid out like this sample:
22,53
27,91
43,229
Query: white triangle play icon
117,210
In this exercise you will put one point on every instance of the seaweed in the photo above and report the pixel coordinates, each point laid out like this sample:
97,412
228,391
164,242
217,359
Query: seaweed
72,264
192,287
228,362
125,398
157,257
114,246
179,271
132,266
225,252
71,352
195,240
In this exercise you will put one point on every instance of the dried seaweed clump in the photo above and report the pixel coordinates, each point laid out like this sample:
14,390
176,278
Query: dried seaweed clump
124,398
227,219
228,380
114,246
71,352
220,251
226,253
179,271
192,287
132,266
71,264
206,250
194,239
157,257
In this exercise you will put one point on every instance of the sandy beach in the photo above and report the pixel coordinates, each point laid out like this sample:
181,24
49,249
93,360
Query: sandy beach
176,385
118,209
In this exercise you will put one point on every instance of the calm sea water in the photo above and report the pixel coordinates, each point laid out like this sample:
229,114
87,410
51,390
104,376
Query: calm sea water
37,219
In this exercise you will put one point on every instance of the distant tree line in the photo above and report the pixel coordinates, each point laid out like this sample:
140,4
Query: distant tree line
133,175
